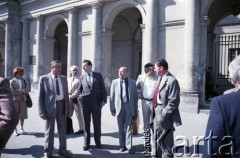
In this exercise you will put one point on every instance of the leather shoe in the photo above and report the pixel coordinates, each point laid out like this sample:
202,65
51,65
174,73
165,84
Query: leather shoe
99,146
85,148
48,156
65,153
122,149
79,132
131,151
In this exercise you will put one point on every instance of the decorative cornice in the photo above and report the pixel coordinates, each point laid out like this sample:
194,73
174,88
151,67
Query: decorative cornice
205,20
82,34
172,23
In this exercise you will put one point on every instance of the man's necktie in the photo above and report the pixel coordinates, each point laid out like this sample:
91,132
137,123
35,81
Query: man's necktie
89,81
155,95
124,94
57,85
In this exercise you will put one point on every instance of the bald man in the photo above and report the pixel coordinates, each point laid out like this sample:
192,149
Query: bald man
123,105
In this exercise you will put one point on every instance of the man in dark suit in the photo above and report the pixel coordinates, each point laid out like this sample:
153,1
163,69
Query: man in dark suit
93,97
166,100
53,104
222,137
123,104
8,114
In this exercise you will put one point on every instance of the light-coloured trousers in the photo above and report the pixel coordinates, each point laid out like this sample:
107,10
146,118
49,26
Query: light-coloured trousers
78,110
124,120
61,126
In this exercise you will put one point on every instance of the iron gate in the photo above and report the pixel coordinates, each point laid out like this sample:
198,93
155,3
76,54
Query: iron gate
226,48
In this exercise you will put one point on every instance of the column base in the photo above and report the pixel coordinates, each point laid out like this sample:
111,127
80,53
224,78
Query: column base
189,101
34,87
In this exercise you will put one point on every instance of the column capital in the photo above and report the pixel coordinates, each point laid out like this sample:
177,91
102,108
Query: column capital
72,10
143,26
39,17
107,31
205,20
96,4
25,20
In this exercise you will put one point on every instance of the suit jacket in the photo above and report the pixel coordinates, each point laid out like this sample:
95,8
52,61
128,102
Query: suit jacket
169,94
224,120
98,87
47,96
140,83
115,96
73,87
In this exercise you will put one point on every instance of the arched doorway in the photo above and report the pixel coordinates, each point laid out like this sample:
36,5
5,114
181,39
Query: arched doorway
222,44
56,41
2,49
127,43
60,45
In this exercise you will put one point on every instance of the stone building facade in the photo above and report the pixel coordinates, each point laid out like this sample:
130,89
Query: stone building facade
113,33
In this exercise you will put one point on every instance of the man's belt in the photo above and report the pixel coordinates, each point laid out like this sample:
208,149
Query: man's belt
60,101
147,99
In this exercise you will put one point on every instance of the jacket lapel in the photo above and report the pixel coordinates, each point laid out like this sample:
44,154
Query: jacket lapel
163,82
50,82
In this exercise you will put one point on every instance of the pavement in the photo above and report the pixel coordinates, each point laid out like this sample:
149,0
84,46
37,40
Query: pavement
31,144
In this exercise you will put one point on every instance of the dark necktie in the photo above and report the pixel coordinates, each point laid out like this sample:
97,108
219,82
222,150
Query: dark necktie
124,94
89,81
155,95
57,85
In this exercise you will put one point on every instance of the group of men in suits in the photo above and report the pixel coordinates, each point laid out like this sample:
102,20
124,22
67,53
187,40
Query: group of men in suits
54,105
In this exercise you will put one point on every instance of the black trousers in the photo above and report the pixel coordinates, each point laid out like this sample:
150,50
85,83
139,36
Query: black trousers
91,108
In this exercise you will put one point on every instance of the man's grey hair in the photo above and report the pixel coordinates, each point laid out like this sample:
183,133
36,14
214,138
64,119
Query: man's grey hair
233,68
73,67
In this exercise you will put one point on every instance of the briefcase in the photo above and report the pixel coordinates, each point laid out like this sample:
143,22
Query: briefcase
135,123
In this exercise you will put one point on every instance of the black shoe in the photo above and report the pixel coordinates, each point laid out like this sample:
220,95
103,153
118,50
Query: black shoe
99,146
65,154
131,151
85,148
79,132
122,149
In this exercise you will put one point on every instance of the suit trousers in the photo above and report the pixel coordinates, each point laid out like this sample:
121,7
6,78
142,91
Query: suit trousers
163,139
91,107
61,126
147,110
124,120
78,111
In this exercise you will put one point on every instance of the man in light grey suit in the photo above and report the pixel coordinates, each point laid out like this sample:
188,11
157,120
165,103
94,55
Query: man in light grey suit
123,104
166,100
53,104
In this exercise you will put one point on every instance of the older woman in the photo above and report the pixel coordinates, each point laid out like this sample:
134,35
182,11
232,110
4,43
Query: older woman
20,89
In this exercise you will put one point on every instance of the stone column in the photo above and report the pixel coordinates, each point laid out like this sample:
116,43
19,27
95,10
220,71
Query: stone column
190,77
72,39
8,49
25,46
150,51
96,41
203,59
107,57
39,50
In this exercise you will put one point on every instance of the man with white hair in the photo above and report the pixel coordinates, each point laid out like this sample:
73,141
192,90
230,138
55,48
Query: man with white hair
73,84
223,130
234,66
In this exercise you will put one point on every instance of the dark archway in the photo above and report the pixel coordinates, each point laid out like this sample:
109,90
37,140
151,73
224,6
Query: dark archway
60,45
